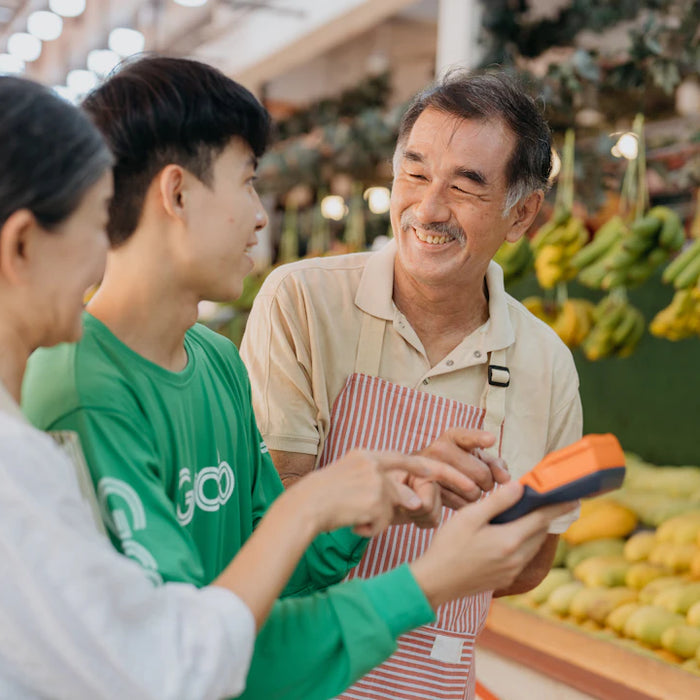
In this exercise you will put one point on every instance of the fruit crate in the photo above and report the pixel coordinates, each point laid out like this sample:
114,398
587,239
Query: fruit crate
595,663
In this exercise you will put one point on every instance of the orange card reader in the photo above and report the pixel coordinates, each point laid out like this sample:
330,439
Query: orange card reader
591,466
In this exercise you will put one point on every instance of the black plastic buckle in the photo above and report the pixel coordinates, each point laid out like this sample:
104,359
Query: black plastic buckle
498,368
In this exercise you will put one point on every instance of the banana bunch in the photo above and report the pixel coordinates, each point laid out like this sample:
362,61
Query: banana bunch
571,321
554,244
617,329
589,260
634,256
684,271
515,259
681,318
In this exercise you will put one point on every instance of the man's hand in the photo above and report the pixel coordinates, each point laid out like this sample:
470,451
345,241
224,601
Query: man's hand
369,490
463,449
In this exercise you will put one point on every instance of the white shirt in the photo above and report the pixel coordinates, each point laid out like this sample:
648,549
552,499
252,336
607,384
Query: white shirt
80,621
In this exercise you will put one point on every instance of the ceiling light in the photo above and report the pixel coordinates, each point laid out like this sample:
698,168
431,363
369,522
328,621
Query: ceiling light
333,207
191,3
24,46
67,8
378,199
126,42
81,81
9,65
46,26
102,61
627,146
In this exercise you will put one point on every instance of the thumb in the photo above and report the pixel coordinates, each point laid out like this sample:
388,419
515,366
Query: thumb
499,499
407,498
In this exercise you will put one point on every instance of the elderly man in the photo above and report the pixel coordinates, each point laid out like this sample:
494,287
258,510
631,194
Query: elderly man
419,341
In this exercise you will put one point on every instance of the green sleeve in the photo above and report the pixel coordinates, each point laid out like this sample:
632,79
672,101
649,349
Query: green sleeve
330,556
141,520
313,648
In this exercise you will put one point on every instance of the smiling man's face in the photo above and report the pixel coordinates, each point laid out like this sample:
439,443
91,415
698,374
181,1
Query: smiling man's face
448,197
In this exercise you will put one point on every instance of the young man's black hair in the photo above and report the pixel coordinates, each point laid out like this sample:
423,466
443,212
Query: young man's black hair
156,111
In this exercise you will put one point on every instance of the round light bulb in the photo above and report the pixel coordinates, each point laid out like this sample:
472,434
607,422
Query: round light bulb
126,42
333,207
67,8
102,61
10,65
378,199
628,146
81,81
24,46
44,25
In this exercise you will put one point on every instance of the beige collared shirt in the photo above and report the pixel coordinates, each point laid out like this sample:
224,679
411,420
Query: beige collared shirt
301,343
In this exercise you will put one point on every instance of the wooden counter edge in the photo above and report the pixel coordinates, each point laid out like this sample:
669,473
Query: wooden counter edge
594,666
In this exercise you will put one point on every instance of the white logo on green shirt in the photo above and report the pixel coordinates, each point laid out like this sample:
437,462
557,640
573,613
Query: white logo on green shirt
212,488
123,521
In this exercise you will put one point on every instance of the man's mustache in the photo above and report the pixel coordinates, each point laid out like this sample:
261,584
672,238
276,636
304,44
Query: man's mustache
441,228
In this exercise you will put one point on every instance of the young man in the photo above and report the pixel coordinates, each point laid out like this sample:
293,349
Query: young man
162,406
424,336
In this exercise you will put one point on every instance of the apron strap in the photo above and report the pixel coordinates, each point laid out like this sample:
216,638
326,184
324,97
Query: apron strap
369,347
494,397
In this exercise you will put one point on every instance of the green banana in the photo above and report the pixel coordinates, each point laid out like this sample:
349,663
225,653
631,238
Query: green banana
646,227
608,235
683,259
625,326
592,276
689,275
629,344
671,231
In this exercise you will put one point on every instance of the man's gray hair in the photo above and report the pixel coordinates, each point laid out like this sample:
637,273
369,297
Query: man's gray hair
484,96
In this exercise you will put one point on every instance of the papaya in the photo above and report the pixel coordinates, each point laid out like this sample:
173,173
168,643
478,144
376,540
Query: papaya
609,519
638,546
560,598
581,601
693,615
604,570
680,529
607,545
648,623
676,557
618,616
678,599
607,600
641,573
648,593
552,581
682,640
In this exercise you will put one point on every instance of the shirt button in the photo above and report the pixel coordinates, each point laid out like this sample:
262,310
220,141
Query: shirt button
449,363
426,381
477,353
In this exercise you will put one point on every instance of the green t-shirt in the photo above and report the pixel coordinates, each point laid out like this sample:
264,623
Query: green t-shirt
183,476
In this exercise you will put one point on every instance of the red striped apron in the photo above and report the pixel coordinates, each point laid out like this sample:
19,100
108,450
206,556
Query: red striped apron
434,662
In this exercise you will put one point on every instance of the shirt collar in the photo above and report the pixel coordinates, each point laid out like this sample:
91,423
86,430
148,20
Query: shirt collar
499,333
376,289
